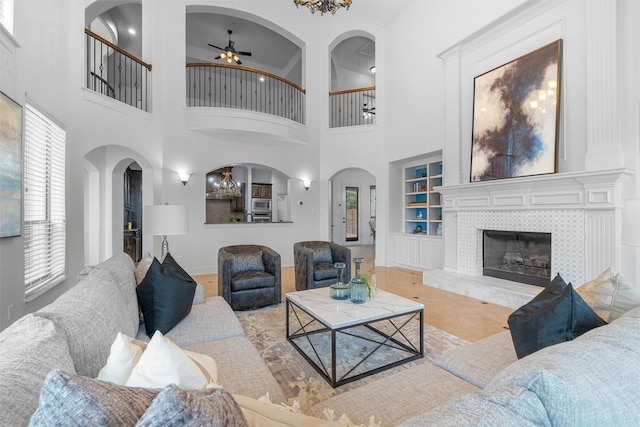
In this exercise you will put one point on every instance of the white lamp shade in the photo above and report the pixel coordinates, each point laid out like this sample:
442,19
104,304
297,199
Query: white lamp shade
631,223
165,220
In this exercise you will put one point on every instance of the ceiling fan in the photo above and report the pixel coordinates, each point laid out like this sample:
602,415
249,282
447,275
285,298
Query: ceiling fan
230,54
368,112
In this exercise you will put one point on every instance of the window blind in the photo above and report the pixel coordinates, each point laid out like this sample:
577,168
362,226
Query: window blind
6,15
44,202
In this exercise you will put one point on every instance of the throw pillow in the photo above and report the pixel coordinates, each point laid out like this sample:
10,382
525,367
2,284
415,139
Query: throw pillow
125,354
322,255
184,408
246,262
142,267
165,295
610,295
73,400
163,363
555,315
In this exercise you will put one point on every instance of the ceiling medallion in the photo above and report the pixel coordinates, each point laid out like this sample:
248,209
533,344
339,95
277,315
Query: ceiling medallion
323,5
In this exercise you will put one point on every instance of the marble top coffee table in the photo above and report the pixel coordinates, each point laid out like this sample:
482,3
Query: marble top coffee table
345,342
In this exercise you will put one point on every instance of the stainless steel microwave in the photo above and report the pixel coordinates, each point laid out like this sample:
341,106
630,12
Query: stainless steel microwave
260,205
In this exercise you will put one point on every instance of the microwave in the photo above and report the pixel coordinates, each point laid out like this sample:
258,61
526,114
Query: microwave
260,205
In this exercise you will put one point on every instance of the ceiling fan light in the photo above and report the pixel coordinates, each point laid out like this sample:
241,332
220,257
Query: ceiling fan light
223,55
229,60
235,58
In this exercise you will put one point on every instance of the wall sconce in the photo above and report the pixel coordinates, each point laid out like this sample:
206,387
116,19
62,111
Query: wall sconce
184,177
307,183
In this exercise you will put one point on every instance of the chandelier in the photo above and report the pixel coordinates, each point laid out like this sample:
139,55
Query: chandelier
323,5
227,188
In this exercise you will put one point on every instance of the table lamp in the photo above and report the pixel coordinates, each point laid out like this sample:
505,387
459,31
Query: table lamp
165,220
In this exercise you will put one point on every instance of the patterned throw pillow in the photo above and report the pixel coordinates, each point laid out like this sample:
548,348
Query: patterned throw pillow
610,295
555,315
69,399
187,408
241,263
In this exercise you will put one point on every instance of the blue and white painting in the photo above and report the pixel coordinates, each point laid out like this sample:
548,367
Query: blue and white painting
515,117
10,167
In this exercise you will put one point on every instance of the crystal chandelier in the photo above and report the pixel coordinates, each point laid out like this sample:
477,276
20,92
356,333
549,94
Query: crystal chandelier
227,188
323,5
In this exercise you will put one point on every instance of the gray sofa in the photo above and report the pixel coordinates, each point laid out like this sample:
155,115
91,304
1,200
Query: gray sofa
76,331
593,380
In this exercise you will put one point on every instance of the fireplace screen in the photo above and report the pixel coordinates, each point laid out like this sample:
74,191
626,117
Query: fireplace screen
519,256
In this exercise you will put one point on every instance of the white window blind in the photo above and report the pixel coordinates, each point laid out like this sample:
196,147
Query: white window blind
6,15
44,202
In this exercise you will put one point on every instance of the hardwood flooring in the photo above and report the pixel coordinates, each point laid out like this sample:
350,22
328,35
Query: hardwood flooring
465,317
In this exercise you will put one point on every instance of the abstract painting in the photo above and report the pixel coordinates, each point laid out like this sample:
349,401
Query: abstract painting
10,166
516,115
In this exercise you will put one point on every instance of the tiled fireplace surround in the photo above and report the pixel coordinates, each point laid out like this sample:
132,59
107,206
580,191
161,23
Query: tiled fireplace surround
581,210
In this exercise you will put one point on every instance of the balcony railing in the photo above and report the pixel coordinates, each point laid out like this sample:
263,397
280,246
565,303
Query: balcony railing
116,73
232,86
352,107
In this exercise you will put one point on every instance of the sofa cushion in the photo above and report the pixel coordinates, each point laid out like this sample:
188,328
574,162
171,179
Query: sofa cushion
610,295
248,261
29,349
165,295
411,390
252,280
479,362
122,268
73,400
213,320
90,315
241,369
174,407
324,272
555,315
163,363
592,380
507,407
322,254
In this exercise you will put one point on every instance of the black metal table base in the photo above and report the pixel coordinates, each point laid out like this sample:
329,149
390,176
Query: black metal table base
301,326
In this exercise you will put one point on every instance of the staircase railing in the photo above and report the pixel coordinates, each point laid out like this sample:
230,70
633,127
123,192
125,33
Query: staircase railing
232,86
116,73
352,107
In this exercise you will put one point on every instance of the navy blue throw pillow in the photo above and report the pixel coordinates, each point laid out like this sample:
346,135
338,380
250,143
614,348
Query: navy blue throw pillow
555,315
165,295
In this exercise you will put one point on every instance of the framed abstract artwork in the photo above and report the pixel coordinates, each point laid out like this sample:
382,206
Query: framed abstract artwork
516,110
10,167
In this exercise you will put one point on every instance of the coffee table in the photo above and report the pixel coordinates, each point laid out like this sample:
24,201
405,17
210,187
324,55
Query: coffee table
345,342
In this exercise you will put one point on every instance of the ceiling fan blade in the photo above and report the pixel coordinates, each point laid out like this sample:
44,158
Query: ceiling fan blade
244,53
215,47
217,57
239,62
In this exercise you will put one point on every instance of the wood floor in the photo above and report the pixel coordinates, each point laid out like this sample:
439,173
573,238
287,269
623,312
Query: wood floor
465,317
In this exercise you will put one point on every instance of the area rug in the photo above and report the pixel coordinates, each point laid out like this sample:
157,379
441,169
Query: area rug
266,329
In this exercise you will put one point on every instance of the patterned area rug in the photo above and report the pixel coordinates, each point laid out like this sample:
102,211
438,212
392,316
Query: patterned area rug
266,329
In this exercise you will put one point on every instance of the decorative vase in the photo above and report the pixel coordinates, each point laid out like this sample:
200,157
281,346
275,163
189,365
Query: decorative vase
339,290
358,288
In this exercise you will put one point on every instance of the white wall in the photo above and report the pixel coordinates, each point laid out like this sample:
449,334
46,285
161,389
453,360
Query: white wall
411,121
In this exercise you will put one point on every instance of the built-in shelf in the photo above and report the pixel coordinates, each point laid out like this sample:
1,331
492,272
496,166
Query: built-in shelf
423,204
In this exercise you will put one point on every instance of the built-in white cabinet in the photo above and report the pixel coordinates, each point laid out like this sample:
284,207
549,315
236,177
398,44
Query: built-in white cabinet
419,251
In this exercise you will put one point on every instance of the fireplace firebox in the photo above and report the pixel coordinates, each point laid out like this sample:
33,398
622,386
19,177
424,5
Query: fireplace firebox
519,256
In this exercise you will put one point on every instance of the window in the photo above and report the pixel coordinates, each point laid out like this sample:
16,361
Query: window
44,202
6,15
352,214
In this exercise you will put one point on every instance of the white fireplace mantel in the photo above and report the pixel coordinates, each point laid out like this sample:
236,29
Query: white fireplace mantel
582,210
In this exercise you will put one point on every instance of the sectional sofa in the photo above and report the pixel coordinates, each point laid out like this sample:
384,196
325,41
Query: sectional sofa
593,380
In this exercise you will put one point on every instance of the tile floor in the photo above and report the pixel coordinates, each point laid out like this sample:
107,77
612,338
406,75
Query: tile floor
468,318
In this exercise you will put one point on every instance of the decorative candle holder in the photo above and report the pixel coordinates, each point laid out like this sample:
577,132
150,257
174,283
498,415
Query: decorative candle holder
339,290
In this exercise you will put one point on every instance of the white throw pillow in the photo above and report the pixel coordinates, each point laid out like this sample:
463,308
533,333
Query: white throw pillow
610,295
125,354
164,363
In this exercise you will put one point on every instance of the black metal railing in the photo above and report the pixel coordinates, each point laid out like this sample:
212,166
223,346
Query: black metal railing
232,86
116,73
352,107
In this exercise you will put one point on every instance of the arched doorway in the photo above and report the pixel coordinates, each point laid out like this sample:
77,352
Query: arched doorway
353,207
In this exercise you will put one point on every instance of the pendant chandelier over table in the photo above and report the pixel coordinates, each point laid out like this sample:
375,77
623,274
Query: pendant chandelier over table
227,188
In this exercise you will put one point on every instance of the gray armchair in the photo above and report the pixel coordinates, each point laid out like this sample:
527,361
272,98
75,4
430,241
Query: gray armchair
314,264
249,276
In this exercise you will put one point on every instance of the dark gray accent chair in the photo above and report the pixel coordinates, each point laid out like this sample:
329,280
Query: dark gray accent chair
249,276
314,264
